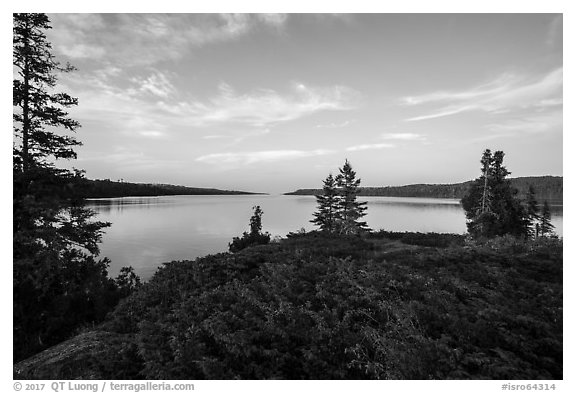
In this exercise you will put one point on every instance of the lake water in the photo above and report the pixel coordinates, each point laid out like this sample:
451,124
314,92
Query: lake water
147,231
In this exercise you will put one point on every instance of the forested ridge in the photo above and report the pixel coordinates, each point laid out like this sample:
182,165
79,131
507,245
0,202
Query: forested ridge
546,188
114,189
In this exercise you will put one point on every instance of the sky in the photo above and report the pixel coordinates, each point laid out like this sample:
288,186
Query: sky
276,102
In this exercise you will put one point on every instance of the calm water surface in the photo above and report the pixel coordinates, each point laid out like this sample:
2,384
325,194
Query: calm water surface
147,231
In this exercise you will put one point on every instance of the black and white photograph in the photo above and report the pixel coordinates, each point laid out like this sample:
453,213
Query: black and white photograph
287,196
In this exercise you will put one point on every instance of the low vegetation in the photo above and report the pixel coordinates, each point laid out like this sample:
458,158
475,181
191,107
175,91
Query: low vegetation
318,306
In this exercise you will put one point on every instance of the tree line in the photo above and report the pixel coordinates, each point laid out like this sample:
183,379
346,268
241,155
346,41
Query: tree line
548,188
107,188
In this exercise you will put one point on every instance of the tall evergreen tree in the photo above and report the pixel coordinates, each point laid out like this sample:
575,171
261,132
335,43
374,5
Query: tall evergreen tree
256,221
485,205
349,209
326,216
58,283
478,202
38,111
491,206
546,227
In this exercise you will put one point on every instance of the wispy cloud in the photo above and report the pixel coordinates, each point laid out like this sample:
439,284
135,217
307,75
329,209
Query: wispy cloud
152,134
149,38
263,107
276,20
505,93
335,125
247,158
373,146
156,84
536,123
403,136
150,104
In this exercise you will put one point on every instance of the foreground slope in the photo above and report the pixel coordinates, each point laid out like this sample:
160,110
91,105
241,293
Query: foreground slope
386,306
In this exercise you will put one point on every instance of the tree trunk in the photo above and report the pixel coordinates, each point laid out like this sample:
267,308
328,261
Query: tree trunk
26,109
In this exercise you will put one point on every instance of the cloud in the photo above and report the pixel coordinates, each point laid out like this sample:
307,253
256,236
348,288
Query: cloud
403,136
497,86
131,111
146,39
152,102
335,125
152,134
536,123
373,146
276,20
263,107
156,84
504,94
443,113
247,158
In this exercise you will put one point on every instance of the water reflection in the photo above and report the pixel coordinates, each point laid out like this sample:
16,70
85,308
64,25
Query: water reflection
108,204
147,231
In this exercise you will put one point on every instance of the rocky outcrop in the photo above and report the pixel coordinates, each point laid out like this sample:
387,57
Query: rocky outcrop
81,357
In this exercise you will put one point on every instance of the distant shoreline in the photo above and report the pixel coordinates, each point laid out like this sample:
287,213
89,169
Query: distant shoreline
99,189
548,188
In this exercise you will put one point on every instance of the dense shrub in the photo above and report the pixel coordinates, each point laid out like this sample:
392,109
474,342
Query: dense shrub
252,238
248,240
325,307
431,239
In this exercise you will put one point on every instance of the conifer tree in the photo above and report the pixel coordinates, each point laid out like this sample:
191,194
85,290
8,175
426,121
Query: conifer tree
58,283
256,221
38,111
546,227
326,216
349,209
491,206
478,202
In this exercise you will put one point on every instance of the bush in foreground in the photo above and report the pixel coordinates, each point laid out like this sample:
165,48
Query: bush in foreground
254,237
